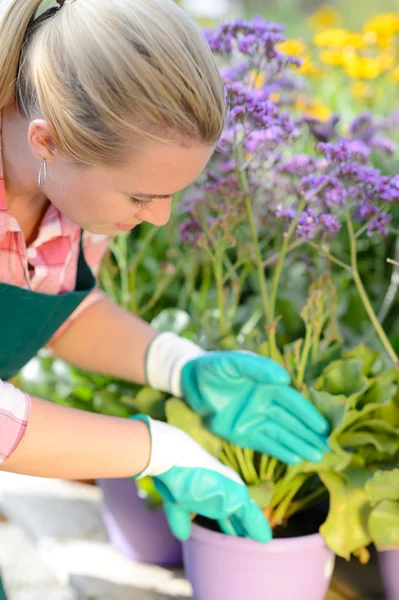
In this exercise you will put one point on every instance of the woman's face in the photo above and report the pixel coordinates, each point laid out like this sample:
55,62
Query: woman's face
106,199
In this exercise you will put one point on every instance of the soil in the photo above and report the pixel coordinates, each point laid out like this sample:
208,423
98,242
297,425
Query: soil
303,523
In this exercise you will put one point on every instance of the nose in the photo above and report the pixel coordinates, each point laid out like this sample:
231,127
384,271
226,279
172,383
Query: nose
158,213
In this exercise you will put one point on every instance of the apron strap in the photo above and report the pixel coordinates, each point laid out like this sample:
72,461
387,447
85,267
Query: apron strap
85,279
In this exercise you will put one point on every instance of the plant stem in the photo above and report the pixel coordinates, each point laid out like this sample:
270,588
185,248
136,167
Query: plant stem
304,357
363,294
330,256
271,468
218,272
392,289
245,471
306,502
133,266
249,460
119,249
263,467
274,258
228,450
159,290
242,176
280,512
281,259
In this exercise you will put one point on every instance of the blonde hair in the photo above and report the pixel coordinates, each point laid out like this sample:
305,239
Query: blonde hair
99,69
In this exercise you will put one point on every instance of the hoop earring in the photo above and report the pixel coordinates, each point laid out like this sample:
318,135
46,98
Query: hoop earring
42,174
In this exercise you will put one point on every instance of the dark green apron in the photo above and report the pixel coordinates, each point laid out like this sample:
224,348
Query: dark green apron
28,320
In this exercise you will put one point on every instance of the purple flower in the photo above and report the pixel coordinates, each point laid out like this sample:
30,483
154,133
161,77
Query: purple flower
307,224
301,165
247,44
366,128
284,213
379,224
190,232
344,151
330,222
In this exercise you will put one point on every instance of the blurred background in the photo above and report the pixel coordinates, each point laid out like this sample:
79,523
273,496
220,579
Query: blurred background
291,12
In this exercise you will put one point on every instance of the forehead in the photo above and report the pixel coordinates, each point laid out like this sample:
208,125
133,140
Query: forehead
161,169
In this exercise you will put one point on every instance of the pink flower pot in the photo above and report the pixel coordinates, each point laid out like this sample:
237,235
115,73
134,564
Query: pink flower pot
221,567
136,531
388,563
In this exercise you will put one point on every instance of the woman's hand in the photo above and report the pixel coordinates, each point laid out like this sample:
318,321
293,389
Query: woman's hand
246,399
192,481
243,397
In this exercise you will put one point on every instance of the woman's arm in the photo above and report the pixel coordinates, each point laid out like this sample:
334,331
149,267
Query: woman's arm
107,339
73,444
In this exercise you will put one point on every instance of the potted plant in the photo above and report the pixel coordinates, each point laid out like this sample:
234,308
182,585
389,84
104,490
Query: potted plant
383,521
275,208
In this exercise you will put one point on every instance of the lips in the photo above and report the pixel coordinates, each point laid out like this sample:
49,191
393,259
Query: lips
123,227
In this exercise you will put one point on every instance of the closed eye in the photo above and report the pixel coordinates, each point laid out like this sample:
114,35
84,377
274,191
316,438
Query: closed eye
141,203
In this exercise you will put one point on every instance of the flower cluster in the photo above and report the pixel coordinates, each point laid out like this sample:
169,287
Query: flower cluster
256,39
264,143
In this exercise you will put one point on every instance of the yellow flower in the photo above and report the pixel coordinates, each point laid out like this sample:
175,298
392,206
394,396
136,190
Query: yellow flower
357,41
361,89
331,57
358,67
292,47
394,75
384,25
386,60
331,37
309,68
313,108
256,80
324,17
274,97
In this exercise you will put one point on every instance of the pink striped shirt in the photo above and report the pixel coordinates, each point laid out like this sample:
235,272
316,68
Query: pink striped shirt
48,265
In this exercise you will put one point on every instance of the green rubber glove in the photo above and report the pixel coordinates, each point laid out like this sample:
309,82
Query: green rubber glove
246,399
191,481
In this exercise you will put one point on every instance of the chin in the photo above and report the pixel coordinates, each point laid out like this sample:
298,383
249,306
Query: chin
105,229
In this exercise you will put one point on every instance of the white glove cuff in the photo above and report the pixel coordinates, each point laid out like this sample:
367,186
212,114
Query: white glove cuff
172,447
162,449
166,356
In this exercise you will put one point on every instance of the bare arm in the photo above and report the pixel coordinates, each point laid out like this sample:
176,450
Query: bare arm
107,339
73,444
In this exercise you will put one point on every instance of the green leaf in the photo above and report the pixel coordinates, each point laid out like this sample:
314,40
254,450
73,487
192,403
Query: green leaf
332,407
384,525
383,486
181,416
150,402
380,393
108,403
149,493
343,377
262,493
172,319
345,529
366,355
381,442
377,425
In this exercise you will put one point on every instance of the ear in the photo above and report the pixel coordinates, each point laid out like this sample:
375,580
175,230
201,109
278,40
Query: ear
41,140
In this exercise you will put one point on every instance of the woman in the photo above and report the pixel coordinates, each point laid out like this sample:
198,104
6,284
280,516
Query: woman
108,108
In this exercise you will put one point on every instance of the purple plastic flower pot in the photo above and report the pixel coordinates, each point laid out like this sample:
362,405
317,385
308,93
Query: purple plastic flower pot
220,567
136,531
388,563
